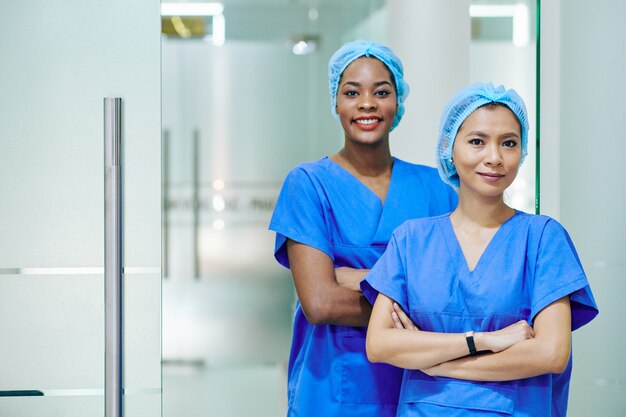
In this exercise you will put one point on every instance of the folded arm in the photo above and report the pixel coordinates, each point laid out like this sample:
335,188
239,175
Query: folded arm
350,277
411,348
323,299
548,352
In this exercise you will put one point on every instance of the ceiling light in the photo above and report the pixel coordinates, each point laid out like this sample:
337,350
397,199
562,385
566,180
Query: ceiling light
304,48
191,9
219,224
486,10
521,25
219,30
303,44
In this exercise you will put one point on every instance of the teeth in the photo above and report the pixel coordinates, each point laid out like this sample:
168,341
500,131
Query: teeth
367,121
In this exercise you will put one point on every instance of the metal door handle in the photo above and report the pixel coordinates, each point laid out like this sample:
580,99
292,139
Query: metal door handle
112,257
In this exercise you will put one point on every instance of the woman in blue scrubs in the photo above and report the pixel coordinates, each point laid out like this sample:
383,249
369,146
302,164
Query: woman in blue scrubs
474,282
333,220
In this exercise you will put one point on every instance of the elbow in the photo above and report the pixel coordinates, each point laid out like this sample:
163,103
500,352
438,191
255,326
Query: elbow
317,313
373,349
558,359
559,364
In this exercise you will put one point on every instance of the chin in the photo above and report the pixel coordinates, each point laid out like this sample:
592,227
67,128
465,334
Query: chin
485,191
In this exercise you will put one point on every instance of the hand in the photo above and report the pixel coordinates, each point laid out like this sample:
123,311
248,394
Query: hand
506,337
350,277
401,320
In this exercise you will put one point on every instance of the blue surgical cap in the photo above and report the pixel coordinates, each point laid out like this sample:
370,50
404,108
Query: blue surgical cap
460,107
360,48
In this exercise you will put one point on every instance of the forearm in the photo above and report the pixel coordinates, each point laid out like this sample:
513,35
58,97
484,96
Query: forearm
322,299
414,349
339,306
408,347
411,348
350,277
523,360
548,352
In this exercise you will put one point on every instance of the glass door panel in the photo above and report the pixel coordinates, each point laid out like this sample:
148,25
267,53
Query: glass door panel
236,117
65,57
504,51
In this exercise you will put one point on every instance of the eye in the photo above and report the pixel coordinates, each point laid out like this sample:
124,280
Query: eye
383,93
509,143
475,141
350,93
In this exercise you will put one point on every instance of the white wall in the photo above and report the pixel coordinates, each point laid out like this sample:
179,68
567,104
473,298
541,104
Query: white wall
432,37
582,158
501,62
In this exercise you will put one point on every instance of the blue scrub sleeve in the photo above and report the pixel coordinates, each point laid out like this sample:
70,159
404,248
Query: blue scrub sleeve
388,276
299,216
559,273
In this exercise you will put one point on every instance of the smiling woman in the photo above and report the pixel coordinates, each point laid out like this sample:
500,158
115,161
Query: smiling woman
333,219
487,151
492,293
236,119
366,102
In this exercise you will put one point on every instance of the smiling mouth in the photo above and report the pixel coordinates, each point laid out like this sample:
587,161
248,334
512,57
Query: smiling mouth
368,121
491,176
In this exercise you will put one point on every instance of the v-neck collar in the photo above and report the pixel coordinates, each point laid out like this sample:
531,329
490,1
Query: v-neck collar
491,249
364,187
386,220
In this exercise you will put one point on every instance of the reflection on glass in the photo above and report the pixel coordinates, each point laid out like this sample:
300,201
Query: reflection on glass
503,50
260,106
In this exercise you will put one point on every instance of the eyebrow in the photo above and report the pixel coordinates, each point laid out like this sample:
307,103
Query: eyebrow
484,135
377,84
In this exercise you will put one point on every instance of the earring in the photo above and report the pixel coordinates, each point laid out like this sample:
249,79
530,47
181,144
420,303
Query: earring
452,161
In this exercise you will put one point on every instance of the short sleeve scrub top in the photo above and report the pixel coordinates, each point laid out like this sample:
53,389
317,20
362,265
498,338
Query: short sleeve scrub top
324,206
529,263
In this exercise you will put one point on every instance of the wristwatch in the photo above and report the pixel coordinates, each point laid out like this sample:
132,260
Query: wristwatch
469,338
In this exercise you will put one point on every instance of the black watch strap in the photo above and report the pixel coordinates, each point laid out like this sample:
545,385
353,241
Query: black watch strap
469,338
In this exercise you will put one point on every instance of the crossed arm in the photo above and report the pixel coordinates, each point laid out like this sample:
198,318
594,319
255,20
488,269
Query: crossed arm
327,295
517,351
331,296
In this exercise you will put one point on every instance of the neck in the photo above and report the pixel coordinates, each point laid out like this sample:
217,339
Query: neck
482,211
366,159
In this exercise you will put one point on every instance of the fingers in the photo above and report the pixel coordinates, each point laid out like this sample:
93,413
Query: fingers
403,318
530,332
502,339
396,321
521,327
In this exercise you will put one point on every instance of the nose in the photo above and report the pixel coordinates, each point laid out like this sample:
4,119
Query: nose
494,155
366,102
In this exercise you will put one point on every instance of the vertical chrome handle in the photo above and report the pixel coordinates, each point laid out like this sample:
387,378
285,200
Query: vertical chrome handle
112,257
165,210
196,203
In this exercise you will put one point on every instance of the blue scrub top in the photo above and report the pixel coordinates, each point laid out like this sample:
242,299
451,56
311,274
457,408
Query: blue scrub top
324,206
529,263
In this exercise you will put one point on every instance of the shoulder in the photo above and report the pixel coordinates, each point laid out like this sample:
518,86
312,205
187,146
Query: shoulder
541,222
310,168
307,173
418,226
417,169
545,231
427,176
